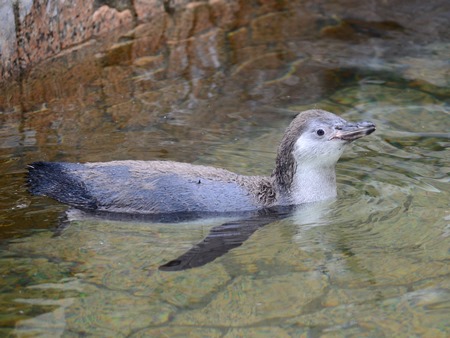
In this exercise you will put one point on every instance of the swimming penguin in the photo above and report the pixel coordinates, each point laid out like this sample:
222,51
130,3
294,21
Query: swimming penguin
304,172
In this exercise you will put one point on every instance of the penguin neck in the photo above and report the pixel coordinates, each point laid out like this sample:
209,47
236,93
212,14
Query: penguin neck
312,183
303,182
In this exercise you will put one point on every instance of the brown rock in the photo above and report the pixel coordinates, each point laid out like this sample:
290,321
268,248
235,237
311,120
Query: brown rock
206,50
148,9
245,12
201,16
189,21
39,32
149,37
75,22
238,41
274,5
152,62
10,95
119,53
178,60
280,26
116,84
224,13
107,19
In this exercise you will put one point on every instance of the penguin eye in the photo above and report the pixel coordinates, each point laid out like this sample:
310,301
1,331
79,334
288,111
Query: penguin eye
320,132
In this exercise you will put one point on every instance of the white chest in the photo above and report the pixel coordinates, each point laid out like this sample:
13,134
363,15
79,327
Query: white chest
313,184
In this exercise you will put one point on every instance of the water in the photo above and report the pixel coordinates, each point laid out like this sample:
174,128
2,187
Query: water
374,262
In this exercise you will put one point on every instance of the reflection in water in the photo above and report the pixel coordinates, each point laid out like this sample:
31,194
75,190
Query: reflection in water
224,238
347,257
374,263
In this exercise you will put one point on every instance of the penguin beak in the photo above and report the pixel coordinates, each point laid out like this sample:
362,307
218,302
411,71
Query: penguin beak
353,131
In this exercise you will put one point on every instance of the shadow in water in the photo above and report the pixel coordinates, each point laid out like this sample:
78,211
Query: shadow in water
225,237
219,241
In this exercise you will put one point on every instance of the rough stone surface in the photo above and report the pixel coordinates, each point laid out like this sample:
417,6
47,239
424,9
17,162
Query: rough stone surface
199,41
229,308
280,26
8,42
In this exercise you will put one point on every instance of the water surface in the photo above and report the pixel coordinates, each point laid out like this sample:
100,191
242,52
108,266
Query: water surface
374,262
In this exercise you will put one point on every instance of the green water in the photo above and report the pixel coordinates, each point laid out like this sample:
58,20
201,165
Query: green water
374,262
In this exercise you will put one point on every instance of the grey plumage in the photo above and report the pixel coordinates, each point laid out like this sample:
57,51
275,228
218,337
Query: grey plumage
153,187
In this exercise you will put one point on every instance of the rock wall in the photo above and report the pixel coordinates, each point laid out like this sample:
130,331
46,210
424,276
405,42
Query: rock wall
32,31
51,47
